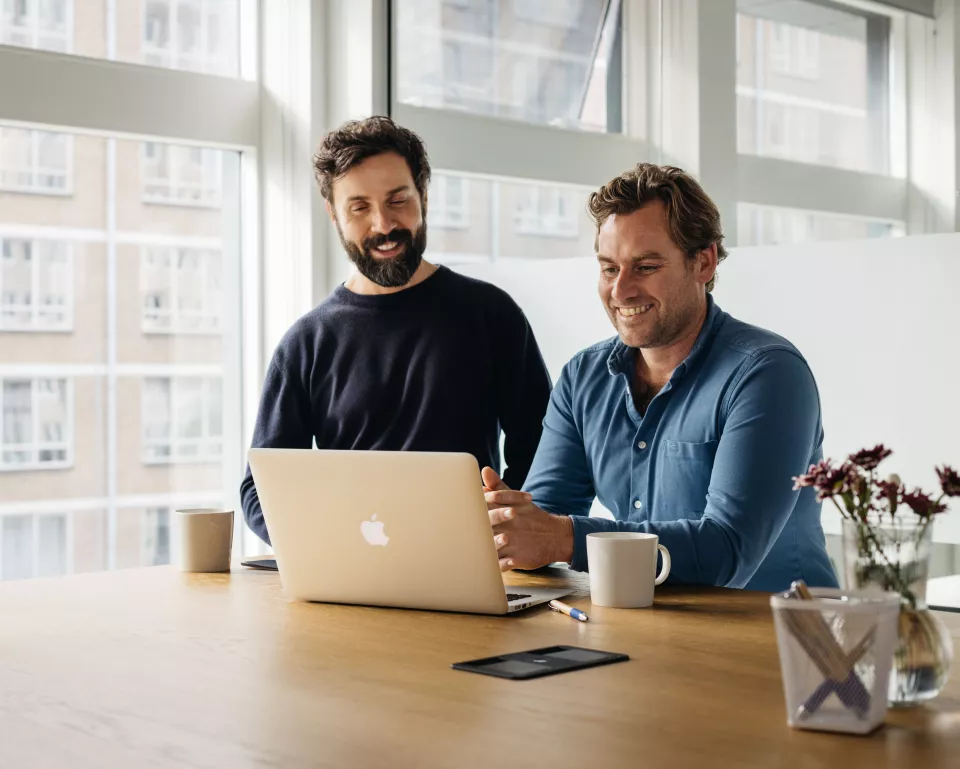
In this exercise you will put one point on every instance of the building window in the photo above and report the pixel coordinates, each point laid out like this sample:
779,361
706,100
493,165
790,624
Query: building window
36,285
547,211
182,290
196,35
45,24
182,419
33,546
796,51
35,161
36,417
182,176
156,537
448,202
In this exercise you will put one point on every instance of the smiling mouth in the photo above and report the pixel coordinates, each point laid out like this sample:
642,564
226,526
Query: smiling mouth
391,248
629,312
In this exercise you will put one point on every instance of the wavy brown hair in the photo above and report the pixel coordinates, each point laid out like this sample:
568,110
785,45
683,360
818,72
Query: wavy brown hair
357,140
692,217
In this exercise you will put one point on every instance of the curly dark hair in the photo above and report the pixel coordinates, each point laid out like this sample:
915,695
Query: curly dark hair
692,217
357,140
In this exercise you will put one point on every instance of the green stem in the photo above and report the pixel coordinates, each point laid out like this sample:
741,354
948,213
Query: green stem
894,569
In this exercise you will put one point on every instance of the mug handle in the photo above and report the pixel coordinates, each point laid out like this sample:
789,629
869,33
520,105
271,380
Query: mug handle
665,569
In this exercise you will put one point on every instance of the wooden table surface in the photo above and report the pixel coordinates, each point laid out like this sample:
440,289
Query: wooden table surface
154,668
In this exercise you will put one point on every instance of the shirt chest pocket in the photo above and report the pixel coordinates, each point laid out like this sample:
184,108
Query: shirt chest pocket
683,477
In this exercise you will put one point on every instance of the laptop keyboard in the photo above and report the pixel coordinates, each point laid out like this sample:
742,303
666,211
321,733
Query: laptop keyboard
516,596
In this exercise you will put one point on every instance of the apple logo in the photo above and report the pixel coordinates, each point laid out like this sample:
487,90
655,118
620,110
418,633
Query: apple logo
372,531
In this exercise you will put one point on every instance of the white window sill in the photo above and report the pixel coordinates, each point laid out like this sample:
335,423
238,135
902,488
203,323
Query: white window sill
45,192
32,467
180,332
161,461
158,201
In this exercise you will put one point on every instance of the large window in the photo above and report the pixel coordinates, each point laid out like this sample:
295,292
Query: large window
36,285
539,62
36,417
46,24
813,84
182,290
182,420
35,161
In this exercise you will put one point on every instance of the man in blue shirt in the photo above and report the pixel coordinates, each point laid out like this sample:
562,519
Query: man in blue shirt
689,424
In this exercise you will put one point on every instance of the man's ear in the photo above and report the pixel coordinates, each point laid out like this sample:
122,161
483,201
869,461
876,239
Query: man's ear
707,263
423,204
330,211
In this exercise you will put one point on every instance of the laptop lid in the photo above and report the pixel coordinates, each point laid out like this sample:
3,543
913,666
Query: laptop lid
383,528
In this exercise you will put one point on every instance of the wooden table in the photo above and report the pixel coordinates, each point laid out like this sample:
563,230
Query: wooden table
154,668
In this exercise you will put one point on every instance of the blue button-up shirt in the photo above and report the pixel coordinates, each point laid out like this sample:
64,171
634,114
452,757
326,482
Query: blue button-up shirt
707,468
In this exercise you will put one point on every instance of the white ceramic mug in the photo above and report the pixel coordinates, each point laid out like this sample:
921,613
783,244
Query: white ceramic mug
623,568
206,539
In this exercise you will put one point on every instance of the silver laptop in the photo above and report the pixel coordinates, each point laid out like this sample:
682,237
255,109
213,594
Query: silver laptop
384,528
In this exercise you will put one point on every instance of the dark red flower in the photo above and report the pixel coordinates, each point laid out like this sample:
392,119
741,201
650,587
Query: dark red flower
922,504
829,480
949,481
813,475
868,459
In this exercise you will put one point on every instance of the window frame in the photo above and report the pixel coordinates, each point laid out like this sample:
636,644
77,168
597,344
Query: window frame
35,169
174,58
35,447
35,31
551,223
176,397
36,326
177,326
882,195
35,523
174,162
440,213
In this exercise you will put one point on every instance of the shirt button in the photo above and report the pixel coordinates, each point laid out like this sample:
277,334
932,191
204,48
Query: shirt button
638,504
642,445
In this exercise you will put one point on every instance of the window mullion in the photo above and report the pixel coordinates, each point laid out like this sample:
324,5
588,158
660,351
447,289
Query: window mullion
174,16
35,420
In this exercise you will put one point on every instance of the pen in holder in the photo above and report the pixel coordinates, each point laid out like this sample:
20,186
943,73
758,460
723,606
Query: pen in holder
836,650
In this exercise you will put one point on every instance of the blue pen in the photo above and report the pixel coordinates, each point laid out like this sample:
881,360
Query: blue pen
568,610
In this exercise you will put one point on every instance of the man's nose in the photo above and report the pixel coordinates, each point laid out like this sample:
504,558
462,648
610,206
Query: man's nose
624,287
382,223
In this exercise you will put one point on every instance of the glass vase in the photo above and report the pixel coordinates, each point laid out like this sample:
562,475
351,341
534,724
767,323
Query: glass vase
895,555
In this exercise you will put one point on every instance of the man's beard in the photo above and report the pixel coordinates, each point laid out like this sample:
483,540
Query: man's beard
389,272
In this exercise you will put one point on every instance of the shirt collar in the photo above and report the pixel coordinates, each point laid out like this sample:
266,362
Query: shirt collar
622,357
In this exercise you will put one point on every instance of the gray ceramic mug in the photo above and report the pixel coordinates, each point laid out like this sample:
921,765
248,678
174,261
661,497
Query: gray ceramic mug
206,539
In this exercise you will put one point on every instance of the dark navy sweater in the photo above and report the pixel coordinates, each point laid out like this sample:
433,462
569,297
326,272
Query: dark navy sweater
442,366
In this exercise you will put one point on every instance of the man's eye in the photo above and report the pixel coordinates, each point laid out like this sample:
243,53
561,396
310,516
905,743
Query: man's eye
647,267
398,201
610,271
358,209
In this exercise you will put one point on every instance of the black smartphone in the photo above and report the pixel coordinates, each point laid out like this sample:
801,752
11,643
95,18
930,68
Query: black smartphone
262,563
540,662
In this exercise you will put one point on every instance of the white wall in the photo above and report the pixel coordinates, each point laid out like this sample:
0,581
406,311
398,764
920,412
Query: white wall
878,320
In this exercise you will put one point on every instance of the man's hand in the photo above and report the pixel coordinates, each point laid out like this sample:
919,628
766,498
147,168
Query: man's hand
526,536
